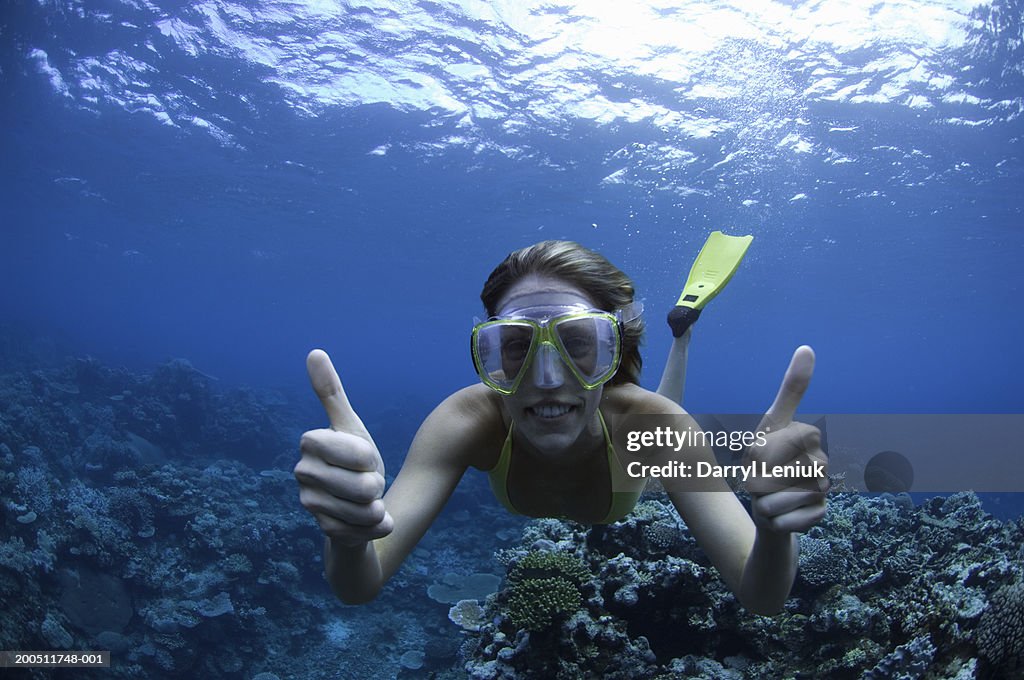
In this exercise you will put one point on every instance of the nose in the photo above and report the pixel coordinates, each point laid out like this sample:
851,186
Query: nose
548,369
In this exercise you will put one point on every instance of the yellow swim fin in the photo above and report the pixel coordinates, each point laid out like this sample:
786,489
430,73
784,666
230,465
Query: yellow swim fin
716,262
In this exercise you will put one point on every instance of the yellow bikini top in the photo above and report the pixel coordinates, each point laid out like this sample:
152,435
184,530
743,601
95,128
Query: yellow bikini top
622,502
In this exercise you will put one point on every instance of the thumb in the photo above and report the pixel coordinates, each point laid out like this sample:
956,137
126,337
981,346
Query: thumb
327,386
794,384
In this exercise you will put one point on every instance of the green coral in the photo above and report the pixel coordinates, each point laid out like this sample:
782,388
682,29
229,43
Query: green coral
535,604
545,587
540,564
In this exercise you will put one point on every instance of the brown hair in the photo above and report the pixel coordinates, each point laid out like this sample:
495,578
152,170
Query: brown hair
585,269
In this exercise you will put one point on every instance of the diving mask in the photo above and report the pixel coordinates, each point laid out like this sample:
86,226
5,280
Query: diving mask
588,341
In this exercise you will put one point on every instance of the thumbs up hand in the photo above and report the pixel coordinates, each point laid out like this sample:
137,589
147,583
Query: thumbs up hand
341,472
789,504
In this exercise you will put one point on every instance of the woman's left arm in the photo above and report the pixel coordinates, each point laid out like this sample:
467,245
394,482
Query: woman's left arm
756,553
758,564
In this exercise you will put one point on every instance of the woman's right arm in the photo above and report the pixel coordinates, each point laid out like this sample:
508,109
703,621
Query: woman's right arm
341,482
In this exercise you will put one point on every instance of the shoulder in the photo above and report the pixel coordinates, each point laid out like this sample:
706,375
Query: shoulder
630,399
467,427
469,408
622,402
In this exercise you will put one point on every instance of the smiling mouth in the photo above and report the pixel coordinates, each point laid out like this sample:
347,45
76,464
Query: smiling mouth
550,411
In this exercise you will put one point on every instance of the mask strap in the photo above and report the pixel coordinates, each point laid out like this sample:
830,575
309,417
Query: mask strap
631,312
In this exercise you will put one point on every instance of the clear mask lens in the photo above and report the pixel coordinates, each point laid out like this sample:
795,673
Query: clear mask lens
587,344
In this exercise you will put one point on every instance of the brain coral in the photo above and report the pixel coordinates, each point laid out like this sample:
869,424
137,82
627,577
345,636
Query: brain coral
1001,629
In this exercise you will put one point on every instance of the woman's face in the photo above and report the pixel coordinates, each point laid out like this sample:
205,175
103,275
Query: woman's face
550,408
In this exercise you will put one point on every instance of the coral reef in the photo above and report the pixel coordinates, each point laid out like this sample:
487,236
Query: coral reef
138,517
105,420
886,589
141,515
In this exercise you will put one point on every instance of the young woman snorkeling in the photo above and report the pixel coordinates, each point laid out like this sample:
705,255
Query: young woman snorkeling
559,365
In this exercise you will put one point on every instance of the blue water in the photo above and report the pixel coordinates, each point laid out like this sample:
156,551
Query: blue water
356,200
235,184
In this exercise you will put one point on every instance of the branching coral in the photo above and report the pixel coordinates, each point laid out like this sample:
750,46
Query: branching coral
545,587
535,603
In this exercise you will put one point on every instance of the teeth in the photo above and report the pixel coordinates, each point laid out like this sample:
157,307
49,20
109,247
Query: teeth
551,411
